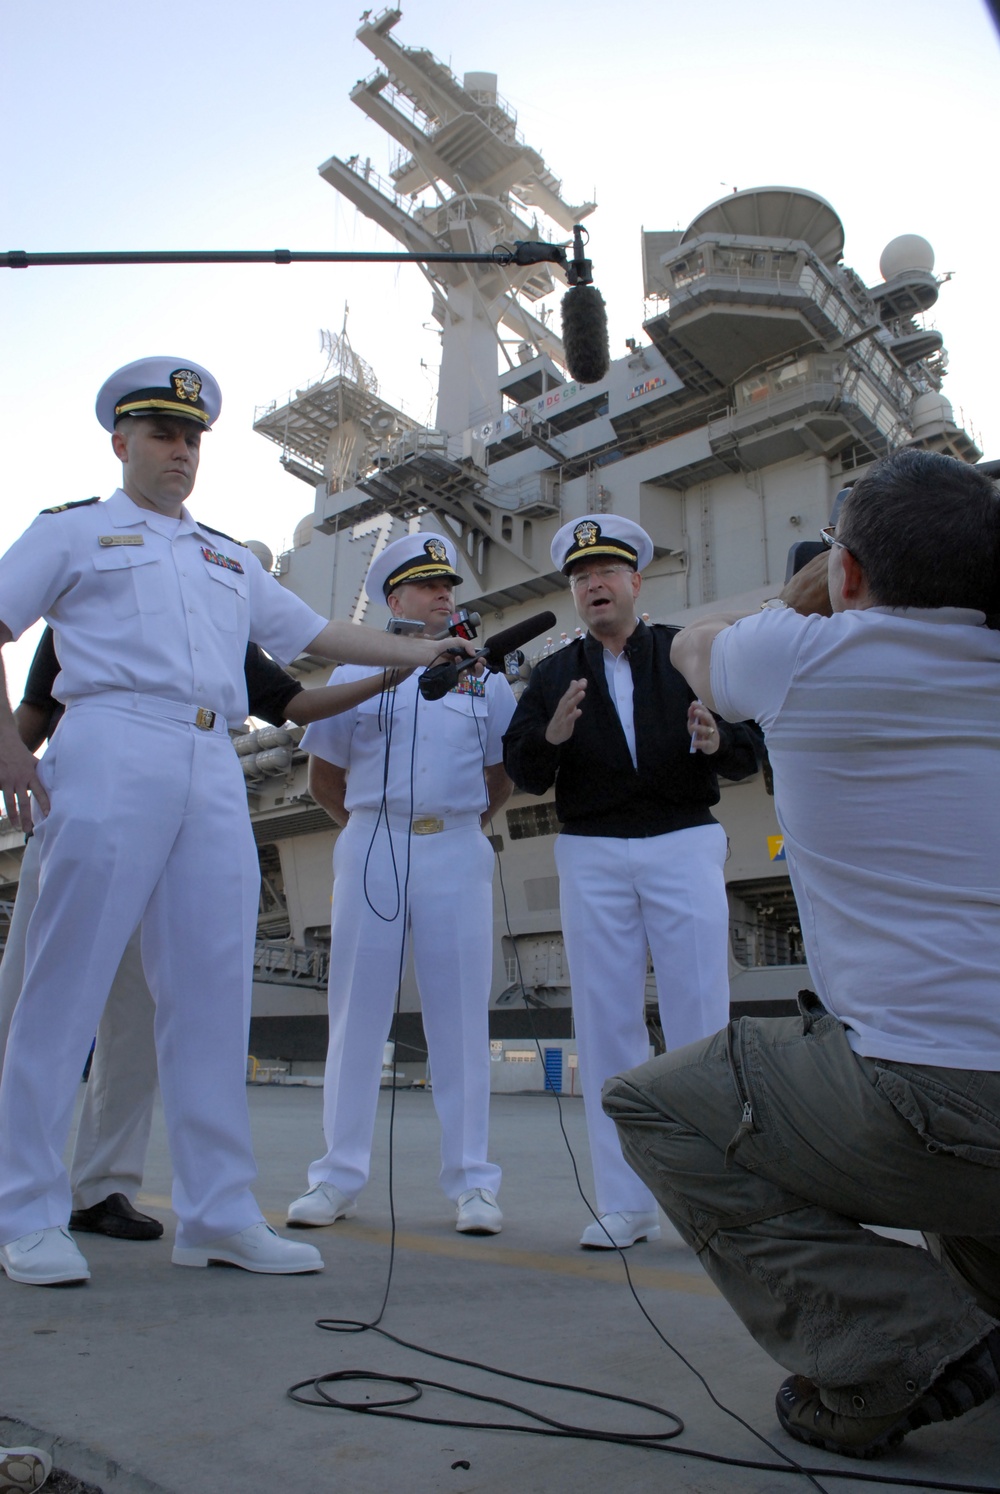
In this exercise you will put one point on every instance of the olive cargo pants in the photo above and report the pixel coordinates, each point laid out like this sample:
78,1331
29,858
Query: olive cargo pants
767,1144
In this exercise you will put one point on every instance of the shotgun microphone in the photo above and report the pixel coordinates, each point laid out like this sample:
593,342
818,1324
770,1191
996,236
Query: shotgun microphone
440,678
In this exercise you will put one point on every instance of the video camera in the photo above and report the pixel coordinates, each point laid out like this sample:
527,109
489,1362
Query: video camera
803,551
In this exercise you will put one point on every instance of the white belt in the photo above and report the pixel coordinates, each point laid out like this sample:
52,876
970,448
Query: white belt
152,705
423,824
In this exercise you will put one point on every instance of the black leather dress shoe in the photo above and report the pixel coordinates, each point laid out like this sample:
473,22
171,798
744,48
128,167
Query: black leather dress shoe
117,1218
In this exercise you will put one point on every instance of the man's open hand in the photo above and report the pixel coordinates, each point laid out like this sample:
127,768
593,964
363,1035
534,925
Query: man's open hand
566,714
19,780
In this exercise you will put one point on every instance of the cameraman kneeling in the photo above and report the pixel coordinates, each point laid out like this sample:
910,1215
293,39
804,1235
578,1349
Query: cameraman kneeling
767,1144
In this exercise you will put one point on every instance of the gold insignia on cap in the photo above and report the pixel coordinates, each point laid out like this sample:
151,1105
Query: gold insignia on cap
187,384
436,550
587,532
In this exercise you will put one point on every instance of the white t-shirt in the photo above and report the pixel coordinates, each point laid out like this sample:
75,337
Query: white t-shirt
883,729
437,749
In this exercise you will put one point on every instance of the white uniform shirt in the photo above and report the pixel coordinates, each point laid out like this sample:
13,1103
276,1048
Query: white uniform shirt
883,729
456,737
168,612
618,673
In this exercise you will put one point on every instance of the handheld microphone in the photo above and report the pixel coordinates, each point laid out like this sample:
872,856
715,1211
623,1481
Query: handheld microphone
440,678
463,623
584,320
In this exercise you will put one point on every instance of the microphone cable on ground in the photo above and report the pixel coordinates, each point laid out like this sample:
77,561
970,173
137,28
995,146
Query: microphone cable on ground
314,1390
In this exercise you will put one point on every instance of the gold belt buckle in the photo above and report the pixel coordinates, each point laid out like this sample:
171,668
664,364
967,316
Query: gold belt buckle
429,825
204,719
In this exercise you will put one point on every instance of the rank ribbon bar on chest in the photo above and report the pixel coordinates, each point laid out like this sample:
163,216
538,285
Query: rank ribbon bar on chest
215,557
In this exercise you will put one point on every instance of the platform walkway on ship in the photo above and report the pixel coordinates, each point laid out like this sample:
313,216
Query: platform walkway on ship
154,1378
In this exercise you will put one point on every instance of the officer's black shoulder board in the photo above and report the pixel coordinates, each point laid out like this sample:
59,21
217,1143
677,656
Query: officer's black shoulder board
61,508
222,534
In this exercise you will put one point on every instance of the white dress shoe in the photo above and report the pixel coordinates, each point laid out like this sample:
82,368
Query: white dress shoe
24,1467
323,1204
478,1213
46,1257
622,1228
256,1248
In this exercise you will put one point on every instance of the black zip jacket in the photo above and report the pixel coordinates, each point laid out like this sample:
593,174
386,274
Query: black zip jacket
598,791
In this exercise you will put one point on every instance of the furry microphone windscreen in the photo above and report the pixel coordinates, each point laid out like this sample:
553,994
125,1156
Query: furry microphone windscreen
585,334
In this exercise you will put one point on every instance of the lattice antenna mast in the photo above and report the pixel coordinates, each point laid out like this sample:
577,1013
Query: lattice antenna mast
461,182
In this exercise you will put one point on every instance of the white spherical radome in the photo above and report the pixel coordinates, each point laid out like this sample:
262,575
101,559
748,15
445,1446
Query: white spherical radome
907,252
303,532
263,554
930,409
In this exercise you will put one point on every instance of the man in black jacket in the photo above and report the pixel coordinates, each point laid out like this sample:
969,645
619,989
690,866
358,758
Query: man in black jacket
634,758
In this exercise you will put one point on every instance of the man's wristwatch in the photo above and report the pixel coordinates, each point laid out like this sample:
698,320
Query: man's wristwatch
774,604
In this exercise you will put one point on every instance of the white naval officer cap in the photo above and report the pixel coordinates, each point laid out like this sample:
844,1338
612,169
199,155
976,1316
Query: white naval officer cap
601,534
415,557
160,386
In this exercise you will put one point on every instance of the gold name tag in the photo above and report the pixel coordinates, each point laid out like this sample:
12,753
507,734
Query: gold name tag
121,539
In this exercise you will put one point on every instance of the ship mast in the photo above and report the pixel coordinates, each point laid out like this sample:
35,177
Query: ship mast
461,183
464,181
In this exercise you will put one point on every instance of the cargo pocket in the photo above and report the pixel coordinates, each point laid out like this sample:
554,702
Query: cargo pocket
944,1119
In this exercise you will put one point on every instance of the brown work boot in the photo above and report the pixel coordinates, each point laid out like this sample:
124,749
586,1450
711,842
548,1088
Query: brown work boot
961,1385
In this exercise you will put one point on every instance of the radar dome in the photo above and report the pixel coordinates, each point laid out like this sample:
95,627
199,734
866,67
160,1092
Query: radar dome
263,554
303,532
908,252
930,410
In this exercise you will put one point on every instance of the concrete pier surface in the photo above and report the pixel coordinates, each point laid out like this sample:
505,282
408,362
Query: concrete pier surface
153,1379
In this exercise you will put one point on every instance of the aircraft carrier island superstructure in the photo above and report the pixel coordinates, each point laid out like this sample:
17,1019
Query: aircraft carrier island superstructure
769,377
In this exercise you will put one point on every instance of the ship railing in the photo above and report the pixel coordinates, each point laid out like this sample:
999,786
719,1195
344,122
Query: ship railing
368,174
830,298
963,424
496,104
762,389
542,490
498,113
280,957
882,412
749,263
410,443
384,13
767,943
403,101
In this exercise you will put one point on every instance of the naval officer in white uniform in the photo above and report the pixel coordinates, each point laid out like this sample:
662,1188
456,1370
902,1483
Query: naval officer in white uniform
113,1133
414,783
140,812
634,759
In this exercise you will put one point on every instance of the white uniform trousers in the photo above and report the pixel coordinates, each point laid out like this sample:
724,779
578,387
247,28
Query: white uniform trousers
617,897
449,900
148,821
113,1133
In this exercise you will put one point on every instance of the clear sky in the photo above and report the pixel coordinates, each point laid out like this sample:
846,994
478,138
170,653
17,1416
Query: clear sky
141,127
